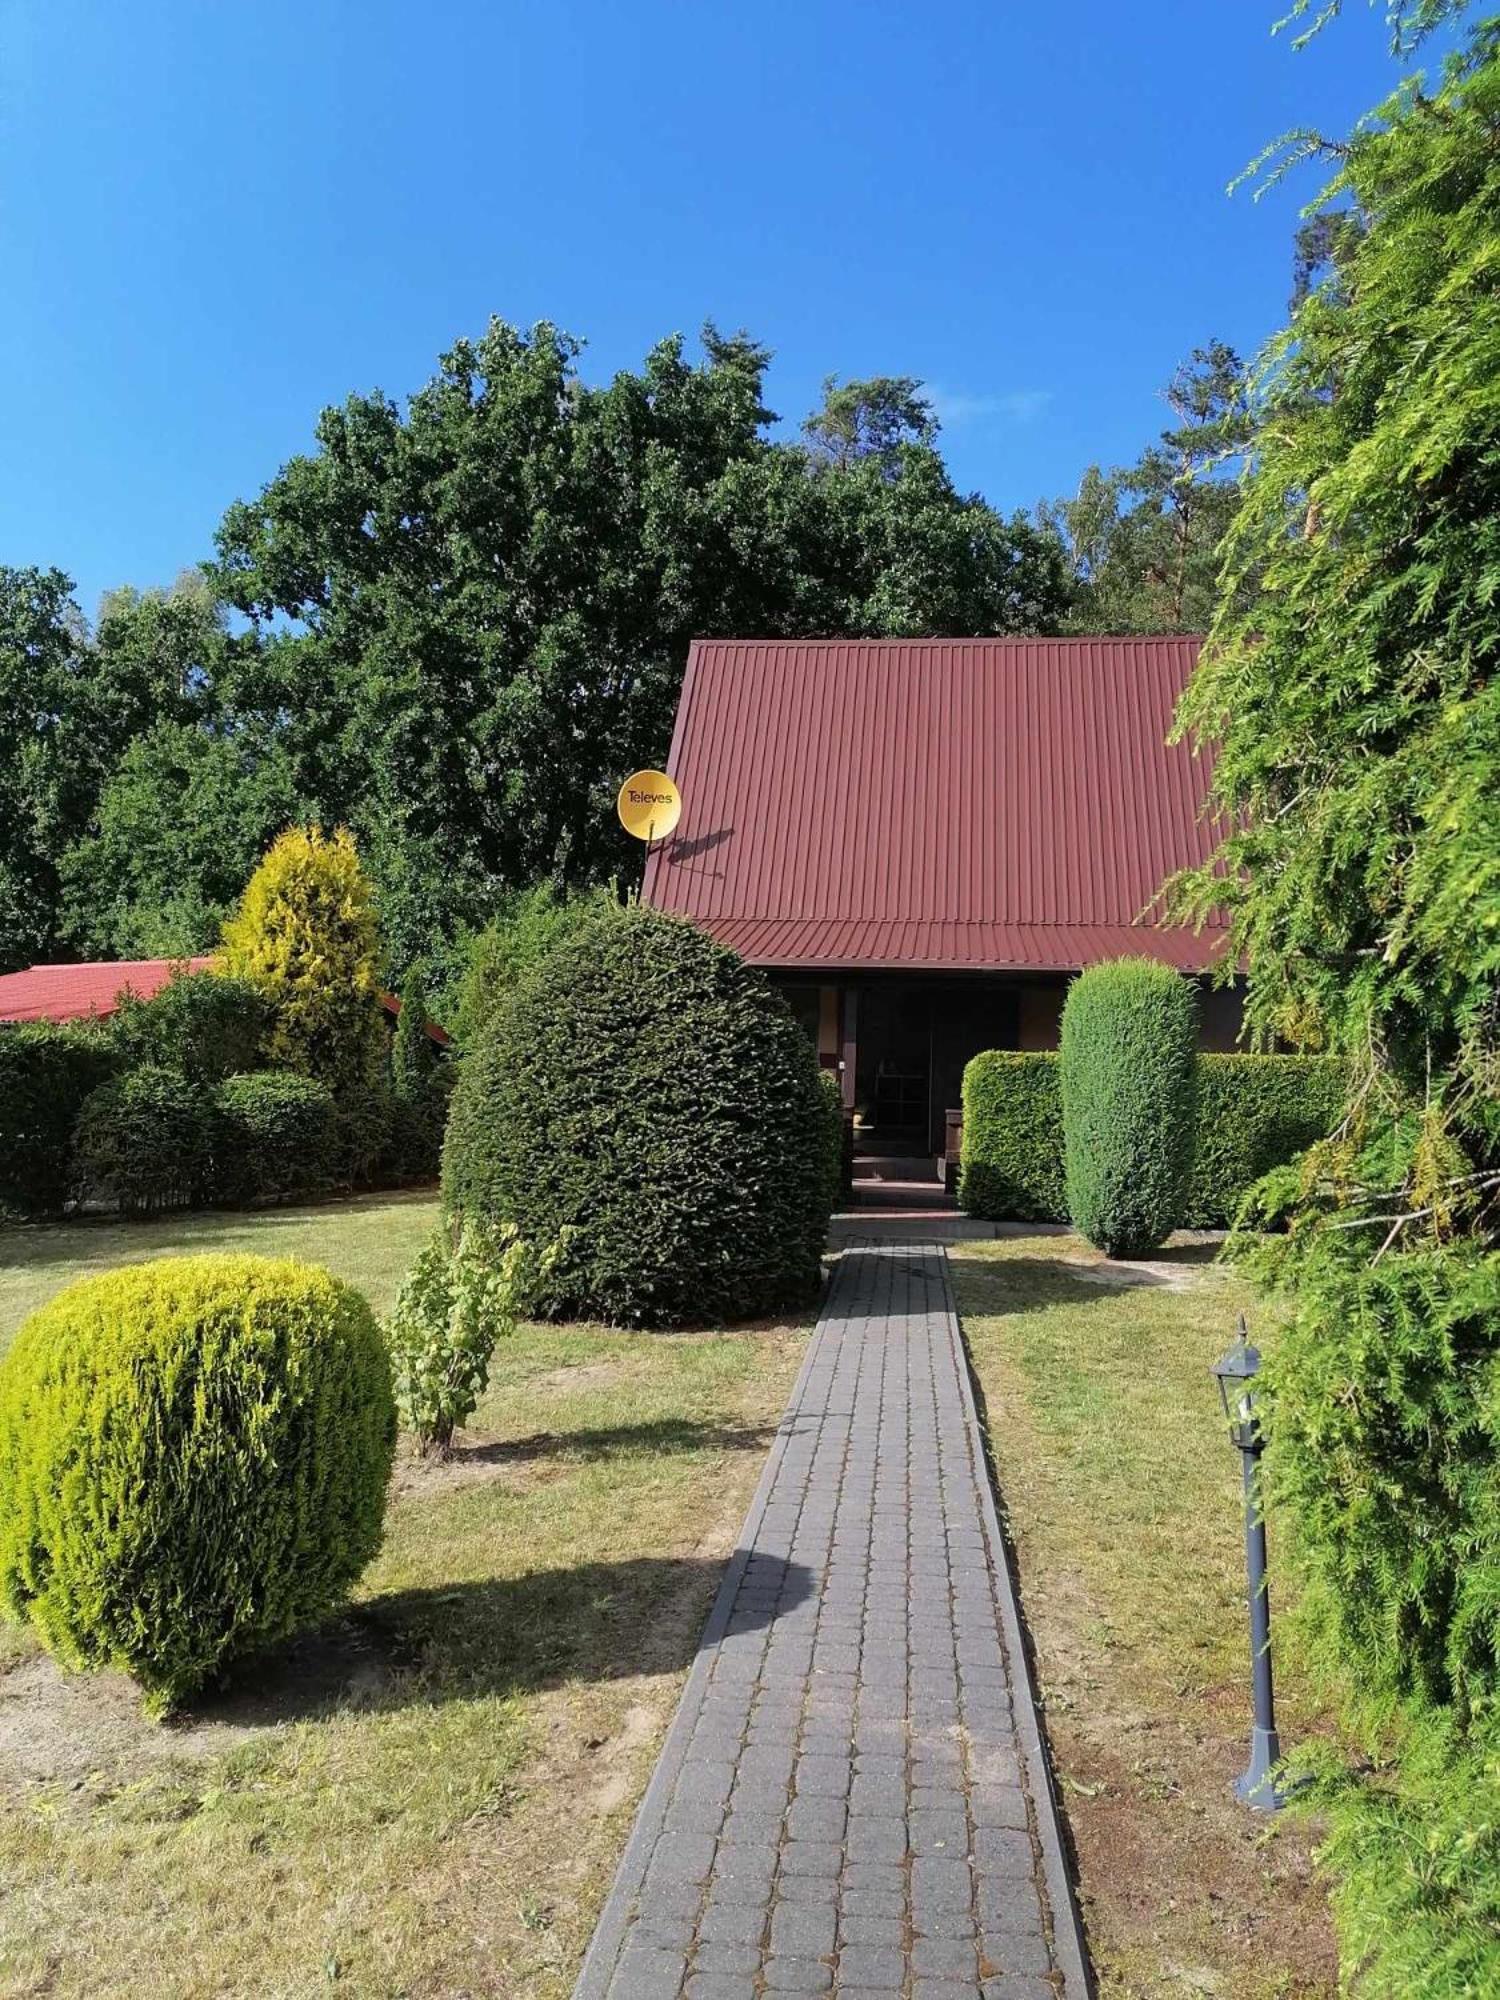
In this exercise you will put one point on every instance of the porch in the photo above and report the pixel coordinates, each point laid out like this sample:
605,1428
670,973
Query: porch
899,1044
900,1041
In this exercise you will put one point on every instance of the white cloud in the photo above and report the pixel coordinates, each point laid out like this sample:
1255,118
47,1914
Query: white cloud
955,408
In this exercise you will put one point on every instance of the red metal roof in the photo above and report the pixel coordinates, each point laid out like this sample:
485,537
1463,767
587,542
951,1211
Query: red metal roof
967,803
78,992
73,992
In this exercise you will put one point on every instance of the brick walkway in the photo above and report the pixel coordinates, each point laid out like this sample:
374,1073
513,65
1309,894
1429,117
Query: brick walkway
853,1798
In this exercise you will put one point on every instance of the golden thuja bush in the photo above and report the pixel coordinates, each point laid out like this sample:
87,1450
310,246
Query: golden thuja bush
305,936
193,1463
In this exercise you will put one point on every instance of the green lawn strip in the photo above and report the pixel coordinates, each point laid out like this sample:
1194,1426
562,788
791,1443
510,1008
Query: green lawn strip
428,1796
1123,1496
369,1240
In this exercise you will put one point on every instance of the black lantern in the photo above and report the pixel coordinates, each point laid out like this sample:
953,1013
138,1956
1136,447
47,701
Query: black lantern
1235,1374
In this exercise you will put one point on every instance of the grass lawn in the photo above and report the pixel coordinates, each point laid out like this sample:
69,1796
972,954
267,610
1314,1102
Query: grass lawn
370,1241
428,1796
1123,1497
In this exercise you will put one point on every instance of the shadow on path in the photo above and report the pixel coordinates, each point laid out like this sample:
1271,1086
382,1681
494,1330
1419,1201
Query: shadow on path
463,1641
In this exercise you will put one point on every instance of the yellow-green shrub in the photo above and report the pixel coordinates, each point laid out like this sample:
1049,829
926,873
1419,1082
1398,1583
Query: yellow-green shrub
193,1462
305,937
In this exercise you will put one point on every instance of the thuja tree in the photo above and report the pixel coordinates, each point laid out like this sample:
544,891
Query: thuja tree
305,937
1350,683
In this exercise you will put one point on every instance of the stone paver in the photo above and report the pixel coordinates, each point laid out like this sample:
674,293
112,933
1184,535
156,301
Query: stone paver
853,1797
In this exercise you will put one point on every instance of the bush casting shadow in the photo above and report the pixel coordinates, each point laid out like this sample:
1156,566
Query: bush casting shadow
499,1636
665,1434
1021,1284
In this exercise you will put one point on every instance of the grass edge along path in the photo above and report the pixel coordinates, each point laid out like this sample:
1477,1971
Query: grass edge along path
1122,1498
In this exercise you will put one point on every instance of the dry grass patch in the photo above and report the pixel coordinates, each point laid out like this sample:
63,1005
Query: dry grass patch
427,1796
1123,1498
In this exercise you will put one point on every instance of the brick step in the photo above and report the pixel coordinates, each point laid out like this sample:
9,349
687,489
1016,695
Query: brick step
926,1194
896,1167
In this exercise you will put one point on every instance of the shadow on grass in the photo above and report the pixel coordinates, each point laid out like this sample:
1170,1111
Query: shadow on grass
664,1434
1019,1284
594,1621
1022,1283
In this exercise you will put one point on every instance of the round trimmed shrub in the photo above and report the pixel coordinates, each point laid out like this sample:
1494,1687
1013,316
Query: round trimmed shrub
144,1141
275,1134
644,1102
193,1463
1129,1080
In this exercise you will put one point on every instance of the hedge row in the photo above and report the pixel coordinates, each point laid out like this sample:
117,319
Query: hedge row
151,1139
46,1073
1012,1162
167,1104
1254,1113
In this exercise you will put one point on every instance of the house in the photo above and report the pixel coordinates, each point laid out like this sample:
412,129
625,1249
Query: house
94,990
921,841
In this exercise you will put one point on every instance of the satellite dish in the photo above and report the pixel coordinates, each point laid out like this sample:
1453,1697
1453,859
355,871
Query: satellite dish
649,805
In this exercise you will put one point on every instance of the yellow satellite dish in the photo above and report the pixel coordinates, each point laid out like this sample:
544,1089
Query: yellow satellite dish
649,805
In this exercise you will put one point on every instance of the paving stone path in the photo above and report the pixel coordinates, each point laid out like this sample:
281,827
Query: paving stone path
853,1797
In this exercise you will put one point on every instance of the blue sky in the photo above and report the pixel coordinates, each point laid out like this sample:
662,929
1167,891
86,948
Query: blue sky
214,219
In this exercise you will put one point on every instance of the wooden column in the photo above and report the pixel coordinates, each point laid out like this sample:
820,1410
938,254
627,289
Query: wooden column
849,1045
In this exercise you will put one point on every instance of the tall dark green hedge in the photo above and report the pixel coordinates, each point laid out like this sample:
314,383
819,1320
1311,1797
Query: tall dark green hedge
274,1134
144,1142
644,1100
46,1073
1012,1162
1128,1059
1254,1113
202,1024
837,1158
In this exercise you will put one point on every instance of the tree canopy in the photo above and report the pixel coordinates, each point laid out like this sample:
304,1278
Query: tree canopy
476,611
454,623
1145,539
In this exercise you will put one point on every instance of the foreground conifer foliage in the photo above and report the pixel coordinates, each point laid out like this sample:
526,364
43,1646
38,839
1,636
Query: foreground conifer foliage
1350,680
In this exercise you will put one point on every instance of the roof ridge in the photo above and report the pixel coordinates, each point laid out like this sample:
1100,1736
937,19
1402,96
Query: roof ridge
971,639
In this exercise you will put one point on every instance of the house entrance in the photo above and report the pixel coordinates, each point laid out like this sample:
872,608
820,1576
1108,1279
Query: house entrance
914,1039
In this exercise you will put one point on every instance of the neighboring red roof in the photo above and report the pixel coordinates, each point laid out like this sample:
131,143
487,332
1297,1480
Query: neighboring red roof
392,1006
77,992
966,803
73,992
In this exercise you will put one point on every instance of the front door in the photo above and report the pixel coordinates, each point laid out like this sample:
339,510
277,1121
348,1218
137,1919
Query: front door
914,1039
893,1095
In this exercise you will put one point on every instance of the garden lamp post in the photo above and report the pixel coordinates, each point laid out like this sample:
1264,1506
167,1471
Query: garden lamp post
1235,1373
